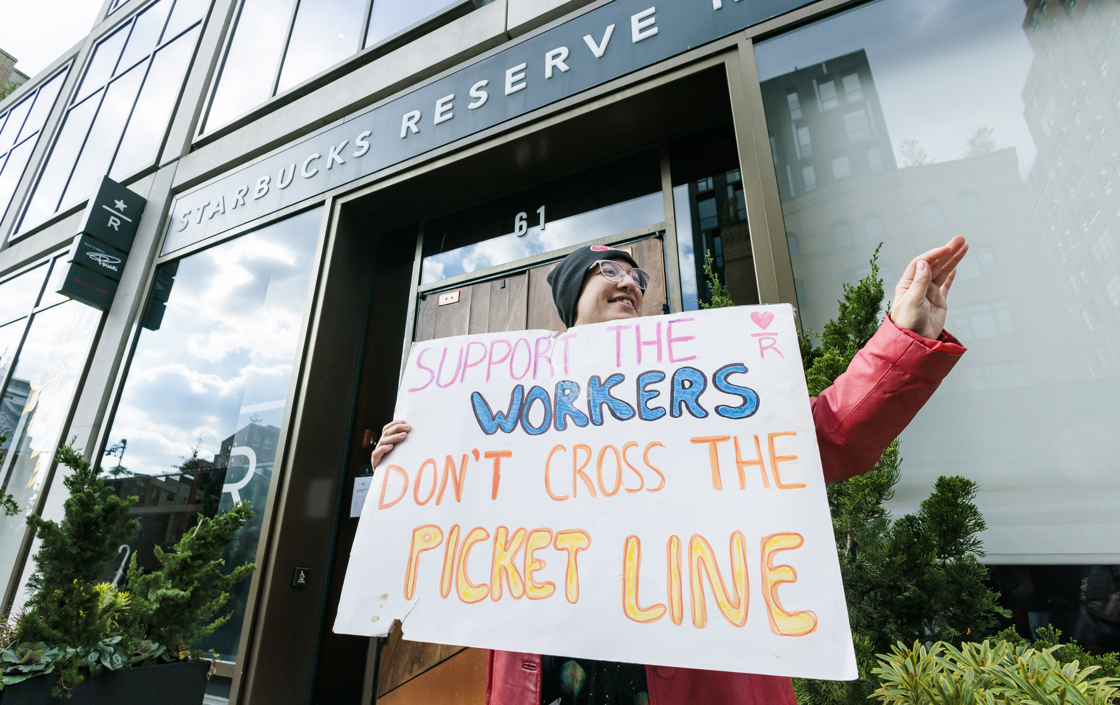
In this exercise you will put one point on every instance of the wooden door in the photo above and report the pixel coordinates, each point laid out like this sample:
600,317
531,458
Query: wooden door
412,672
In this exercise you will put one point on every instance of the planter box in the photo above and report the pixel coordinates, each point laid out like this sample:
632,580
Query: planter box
167,684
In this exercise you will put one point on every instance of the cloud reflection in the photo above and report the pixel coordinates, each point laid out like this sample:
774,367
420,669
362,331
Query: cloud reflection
227,341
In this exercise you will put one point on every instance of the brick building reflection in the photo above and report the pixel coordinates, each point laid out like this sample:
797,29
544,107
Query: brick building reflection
170,504
1038,299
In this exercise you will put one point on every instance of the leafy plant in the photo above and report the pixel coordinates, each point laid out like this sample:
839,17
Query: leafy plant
917,577
65,606
717,291
999,673
6,88
74,626
112,607
183,600
26,661
1069,652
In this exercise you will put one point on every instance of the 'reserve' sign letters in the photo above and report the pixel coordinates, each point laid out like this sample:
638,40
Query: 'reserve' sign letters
544,67
647,491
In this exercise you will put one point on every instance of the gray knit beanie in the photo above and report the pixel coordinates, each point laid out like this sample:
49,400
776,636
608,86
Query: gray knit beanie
566,279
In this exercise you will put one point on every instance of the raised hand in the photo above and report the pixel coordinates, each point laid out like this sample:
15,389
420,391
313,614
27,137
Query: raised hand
920,301
394,433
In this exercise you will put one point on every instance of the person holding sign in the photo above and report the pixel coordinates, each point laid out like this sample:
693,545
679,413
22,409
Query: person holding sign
866,408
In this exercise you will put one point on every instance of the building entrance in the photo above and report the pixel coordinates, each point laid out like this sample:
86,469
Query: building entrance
465,247
516,300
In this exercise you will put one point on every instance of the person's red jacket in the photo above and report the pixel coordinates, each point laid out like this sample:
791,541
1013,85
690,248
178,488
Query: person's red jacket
865,409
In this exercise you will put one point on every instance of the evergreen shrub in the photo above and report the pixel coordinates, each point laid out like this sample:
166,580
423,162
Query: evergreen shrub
74,625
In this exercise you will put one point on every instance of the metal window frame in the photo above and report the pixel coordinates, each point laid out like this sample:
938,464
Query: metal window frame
33,95
6,377
59,212
11,587
289,423
203,134
17,233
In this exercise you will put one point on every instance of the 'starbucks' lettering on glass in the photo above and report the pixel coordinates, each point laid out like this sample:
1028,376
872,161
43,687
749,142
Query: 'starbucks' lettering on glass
596,47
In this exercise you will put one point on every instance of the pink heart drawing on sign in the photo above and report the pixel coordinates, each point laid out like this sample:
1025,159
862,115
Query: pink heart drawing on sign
762,318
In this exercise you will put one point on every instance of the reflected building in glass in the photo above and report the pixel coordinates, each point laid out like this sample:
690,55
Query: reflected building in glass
826,124
328,182
1071,102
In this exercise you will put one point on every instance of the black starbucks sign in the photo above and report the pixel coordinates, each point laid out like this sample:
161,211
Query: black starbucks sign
101,249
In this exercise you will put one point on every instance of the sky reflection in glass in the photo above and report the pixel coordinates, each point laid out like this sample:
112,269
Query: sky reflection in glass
9,341
224,350
324,34
21,128
97,154
93,128
185,14
206,393
47,194
100,68
617,218
18,294
250,65
14,123
145,35
41,391
1003,128
149,119
391,16
690,293
267,57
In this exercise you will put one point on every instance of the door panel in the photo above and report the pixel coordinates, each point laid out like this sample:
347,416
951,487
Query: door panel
460,680
401,661
488,307
412,671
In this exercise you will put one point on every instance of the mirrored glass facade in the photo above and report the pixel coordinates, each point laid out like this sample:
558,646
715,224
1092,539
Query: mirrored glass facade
614,199
200,416
44,343
997,121
129,89
278,44
19,133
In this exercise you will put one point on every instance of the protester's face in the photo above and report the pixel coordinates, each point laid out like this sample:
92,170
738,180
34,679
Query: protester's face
603,300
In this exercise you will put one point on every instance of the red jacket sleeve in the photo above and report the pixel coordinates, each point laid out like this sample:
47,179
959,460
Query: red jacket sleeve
883,389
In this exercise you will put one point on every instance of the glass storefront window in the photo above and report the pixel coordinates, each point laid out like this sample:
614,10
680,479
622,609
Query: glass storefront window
711,217
129,89
324,34
611,199
271,52
19,133
1083,601
201,411
998,121
391,16
248,76
573,230
18,294
35,406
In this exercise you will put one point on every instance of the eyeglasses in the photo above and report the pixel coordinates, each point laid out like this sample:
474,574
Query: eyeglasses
614,272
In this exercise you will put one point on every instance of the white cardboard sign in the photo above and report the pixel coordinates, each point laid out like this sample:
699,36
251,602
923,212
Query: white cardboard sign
647,491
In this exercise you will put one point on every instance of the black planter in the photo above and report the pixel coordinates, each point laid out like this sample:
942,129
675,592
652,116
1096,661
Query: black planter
167,684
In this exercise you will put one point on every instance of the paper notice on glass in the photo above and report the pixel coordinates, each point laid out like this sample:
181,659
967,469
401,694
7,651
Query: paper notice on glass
361,489
647,491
